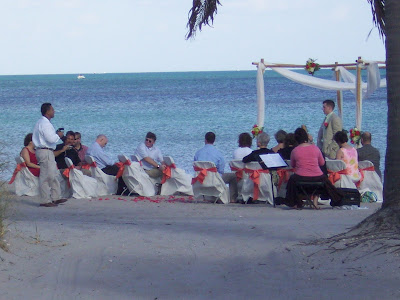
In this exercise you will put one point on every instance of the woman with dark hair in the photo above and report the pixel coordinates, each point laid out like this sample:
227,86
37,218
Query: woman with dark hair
28,154
290,144
280,136
244,149
348,154
306,160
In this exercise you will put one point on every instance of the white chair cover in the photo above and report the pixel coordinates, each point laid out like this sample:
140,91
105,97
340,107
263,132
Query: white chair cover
372,182
175,180
107,184
136,158
237,167
82,186
23,182
136,179
66,191
284,175
212,185
335,168
261,191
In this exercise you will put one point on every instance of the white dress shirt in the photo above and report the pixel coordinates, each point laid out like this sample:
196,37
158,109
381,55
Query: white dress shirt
44,135
153,152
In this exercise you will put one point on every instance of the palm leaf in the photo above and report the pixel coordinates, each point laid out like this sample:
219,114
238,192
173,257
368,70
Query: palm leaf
201,13
378,15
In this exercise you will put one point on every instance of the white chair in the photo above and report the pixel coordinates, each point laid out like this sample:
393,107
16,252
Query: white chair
82,186
337,174
23,182
135,178
258,184
371,180
175,180
107,184
208,182
284,175
136,158
237,167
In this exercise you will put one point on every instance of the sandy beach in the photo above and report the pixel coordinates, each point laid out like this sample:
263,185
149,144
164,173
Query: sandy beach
124,249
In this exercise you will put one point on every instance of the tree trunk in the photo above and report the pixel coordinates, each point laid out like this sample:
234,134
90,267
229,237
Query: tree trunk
392,162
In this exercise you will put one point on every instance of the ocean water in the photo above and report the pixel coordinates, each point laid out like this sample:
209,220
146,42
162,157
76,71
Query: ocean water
178,107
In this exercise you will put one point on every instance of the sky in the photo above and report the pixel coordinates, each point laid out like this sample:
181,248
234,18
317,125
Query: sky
95,36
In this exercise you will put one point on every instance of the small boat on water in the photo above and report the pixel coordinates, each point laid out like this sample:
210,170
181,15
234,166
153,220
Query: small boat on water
80,76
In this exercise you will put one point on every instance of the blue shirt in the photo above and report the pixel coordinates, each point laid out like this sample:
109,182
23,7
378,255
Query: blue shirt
97,152
210,153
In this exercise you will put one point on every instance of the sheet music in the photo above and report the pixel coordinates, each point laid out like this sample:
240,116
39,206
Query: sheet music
273,160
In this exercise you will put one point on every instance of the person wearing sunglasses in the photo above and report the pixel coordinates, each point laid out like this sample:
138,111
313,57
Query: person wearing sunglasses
151,156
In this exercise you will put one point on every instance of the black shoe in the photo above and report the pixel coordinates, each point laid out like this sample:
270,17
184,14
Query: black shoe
49,204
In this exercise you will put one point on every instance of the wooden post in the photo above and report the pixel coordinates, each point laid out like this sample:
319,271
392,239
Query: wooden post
358,94
339,94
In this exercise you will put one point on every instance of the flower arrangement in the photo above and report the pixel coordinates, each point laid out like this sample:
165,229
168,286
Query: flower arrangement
256,130
311,66
355,136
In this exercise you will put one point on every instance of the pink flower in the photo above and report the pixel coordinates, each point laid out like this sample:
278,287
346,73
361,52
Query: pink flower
326,124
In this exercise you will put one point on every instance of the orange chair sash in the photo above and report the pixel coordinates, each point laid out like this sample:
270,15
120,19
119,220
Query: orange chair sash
255,177
371,168
87,167
167,172
18,168
284,175
238,172
335,175
203,173
66,173
121,167
93,164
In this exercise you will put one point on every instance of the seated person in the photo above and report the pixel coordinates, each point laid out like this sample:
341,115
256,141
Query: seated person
210,153
348,154
103,160
310,138
81,149
262,143
28,154
244,149
306,160
368,152
66,149
150,156
289,144
280,139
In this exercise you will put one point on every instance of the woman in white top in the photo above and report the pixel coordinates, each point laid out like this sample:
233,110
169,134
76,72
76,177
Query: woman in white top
244,149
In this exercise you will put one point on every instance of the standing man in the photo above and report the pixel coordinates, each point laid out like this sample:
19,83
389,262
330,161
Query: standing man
368,152
44,137
210,153
331,124
104,161
151,156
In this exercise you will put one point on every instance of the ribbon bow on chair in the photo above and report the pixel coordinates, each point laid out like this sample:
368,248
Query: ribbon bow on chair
93,164
203,173
121,166
18,168
255,177
238,173
167,172
66,174
371,168
284,175
335,175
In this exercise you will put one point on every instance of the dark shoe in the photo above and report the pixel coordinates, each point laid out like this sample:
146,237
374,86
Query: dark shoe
60,201
49,204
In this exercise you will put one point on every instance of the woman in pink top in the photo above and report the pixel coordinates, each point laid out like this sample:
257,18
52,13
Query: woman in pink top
348,154
307,160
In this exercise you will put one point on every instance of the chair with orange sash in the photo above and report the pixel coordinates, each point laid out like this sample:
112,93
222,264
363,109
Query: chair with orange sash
258,185
82,186
284,175
208,182
23,182
175,180
107,184
338,175
370,180
237,166
135,178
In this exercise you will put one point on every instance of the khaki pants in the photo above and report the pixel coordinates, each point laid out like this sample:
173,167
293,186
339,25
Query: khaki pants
154,173
49,186
230,178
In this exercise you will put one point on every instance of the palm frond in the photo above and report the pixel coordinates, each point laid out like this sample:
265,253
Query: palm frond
378,15
201,13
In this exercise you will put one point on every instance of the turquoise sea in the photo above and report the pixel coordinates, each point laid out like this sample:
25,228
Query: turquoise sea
179,107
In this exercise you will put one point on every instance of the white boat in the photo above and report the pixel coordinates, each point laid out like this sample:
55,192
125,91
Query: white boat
80,76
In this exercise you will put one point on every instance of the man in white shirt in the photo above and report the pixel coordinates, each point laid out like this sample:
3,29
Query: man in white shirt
44,138
150,156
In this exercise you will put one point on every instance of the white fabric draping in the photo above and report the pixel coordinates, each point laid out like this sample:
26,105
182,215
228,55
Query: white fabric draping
260,95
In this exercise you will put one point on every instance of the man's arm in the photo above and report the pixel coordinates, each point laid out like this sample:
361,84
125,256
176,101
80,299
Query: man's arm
60,150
